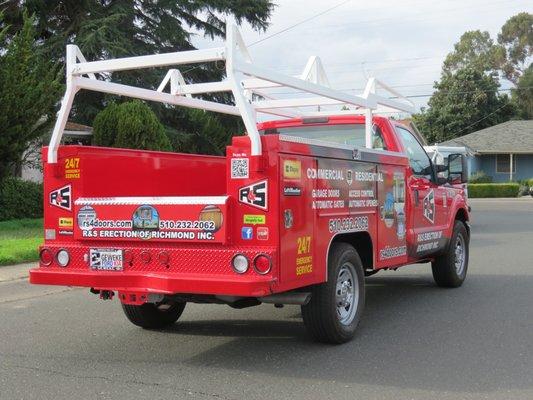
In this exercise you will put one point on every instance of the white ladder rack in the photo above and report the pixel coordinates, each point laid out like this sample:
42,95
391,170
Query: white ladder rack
243,79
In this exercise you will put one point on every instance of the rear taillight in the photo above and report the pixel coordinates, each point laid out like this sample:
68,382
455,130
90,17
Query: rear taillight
262,264
240,263
63,257
46,257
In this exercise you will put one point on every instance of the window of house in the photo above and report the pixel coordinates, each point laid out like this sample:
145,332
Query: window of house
503,163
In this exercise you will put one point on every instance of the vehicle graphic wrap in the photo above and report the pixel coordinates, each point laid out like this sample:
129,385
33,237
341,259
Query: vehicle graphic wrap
392,243
145,222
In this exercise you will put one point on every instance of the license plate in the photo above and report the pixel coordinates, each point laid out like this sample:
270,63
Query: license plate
106,259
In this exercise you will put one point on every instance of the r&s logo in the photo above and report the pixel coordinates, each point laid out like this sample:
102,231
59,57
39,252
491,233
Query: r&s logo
255,195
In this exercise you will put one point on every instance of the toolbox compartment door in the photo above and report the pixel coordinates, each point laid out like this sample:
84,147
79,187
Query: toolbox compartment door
163,219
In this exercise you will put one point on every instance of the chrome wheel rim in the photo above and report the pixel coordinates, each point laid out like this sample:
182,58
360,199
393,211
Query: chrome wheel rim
347,294
460,256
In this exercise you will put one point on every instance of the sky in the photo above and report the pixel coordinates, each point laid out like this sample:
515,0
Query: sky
402,43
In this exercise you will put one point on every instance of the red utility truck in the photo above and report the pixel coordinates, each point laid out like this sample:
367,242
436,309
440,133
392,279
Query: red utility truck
299,211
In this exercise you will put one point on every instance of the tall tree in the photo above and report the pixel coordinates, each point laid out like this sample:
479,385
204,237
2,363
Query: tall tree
118,28
466,98
523,94
516,41
115,28
29,89
464,101
475,50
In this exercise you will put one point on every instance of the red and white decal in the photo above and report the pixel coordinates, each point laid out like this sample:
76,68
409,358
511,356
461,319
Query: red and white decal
429,206
62,197
255,195
262,233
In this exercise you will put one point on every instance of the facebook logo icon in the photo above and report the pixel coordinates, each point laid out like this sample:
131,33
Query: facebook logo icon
247,232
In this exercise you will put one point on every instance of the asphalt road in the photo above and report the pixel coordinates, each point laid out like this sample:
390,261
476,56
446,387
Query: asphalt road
416,341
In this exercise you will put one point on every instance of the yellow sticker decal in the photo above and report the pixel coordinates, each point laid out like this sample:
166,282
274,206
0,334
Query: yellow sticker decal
65,222
72,168
304,245
292,169
304,265
253,219
304,261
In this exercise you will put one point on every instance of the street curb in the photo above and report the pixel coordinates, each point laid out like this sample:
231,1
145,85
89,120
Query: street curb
523,199
15,272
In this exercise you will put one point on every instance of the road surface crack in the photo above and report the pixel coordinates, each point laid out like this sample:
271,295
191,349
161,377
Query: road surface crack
36,296
111,380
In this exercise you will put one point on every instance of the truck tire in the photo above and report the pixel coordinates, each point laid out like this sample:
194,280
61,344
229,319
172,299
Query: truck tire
449,269
335,308
154,315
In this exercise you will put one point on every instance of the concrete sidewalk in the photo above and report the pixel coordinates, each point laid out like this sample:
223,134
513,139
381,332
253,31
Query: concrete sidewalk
14,272
500,199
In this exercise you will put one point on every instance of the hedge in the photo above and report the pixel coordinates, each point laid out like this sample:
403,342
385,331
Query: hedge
479,177
20,199
478,190
130,125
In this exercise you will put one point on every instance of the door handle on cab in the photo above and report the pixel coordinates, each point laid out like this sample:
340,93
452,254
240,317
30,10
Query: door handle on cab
417,187
416,196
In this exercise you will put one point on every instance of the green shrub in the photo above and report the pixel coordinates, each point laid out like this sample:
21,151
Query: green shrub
105,126
480,177
523,191
525,185
131,125
20,199
478,190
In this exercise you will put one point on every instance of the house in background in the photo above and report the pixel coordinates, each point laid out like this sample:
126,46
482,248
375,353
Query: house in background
74,134
504,151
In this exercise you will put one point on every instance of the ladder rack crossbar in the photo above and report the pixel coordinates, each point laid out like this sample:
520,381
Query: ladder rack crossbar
248,82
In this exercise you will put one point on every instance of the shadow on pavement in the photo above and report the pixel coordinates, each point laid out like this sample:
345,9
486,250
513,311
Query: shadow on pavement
413,335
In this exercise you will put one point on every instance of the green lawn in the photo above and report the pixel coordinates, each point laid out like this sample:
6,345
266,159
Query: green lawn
19,240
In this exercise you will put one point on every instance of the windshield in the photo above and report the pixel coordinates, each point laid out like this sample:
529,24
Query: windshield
349,134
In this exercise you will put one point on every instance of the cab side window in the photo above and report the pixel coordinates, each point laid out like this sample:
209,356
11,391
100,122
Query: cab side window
418,158
377,139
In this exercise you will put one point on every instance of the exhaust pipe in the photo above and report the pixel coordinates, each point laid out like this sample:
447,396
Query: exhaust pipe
295,298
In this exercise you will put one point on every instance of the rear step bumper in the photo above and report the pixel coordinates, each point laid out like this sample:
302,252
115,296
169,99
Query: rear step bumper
192,269
252,286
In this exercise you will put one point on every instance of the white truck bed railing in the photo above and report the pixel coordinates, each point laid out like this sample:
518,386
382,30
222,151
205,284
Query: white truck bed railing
243,79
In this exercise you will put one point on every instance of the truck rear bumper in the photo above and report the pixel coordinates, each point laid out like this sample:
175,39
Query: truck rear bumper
255,286
188,269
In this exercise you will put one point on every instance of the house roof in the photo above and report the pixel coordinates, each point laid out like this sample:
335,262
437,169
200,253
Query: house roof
508,137
74,129
73,126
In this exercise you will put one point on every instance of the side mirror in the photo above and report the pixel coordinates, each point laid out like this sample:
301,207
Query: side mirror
441,178
457,168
